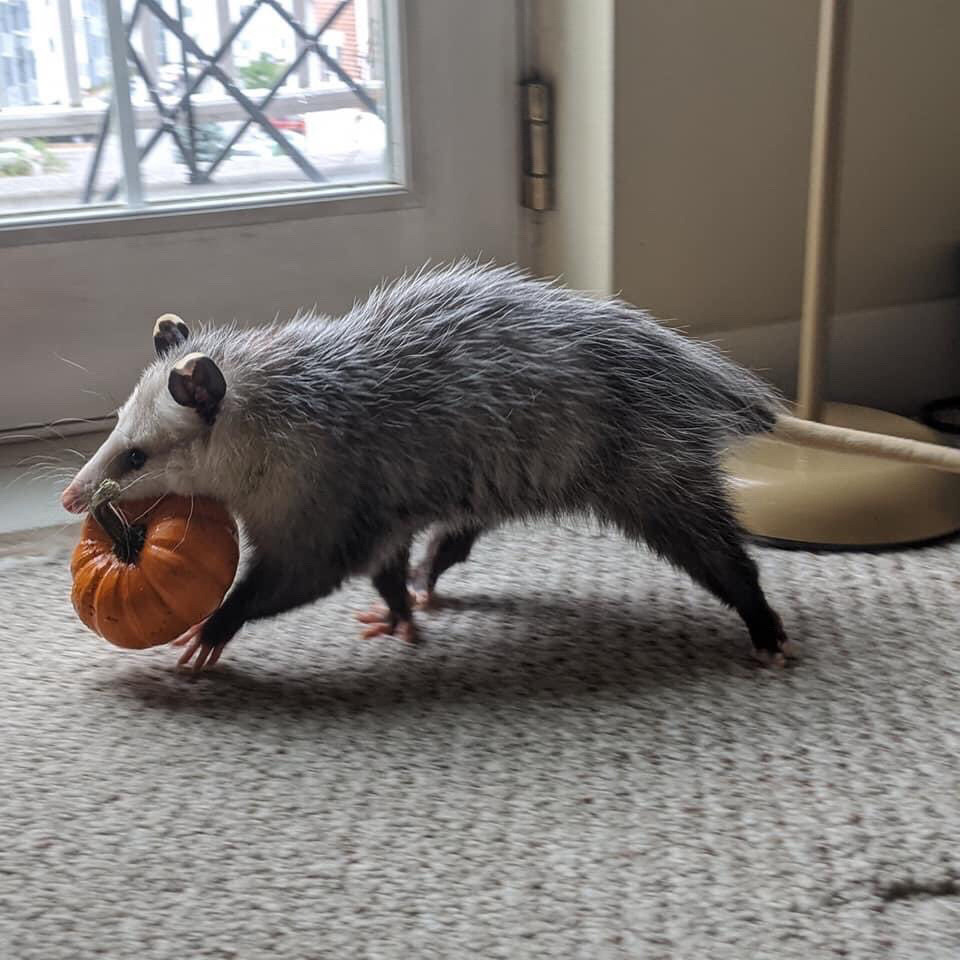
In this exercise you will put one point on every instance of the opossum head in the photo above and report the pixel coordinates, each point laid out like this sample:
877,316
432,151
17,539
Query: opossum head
163,440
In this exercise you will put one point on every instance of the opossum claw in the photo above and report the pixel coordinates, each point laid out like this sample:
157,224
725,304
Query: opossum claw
192,648
189,634
206,655
375,614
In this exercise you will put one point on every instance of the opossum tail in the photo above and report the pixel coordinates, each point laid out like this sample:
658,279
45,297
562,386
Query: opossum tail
823,436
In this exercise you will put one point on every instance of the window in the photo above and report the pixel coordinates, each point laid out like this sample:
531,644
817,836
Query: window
228,102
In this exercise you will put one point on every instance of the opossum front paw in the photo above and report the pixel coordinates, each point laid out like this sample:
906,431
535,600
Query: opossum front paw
383,623
206,654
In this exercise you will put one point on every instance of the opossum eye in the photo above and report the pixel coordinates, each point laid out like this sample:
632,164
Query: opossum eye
135,459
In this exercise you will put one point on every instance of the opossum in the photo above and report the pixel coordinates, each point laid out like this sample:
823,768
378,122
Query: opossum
454,400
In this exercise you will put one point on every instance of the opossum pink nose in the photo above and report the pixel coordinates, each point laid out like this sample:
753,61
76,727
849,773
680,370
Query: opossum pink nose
72,499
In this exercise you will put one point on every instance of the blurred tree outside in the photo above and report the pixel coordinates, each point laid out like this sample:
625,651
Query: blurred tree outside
262,73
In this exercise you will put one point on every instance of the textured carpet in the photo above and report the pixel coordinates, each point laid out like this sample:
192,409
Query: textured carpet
580,761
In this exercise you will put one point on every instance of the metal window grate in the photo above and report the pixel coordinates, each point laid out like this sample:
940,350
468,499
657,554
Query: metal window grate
177,118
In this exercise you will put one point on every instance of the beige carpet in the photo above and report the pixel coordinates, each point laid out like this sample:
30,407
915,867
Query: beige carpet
581,761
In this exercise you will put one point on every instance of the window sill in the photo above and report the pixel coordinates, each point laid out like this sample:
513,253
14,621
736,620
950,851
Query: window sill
206,214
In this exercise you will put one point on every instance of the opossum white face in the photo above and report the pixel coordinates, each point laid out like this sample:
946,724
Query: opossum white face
161,441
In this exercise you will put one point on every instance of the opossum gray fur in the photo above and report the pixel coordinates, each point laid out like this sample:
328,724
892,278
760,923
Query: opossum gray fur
457,398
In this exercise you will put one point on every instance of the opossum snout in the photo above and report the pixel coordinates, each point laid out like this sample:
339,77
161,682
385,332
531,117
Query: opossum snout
75,498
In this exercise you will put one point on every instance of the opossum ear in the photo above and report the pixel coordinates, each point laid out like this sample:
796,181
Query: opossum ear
168,332
196,381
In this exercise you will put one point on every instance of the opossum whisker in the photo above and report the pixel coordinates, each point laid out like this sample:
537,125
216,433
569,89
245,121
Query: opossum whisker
186,528
139,478
54,469
155,503
73,363
38,458
27,475
22,437
106,397
61,421
55,479
40,478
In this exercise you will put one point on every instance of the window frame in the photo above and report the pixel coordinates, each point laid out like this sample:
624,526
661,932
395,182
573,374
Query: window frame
269,206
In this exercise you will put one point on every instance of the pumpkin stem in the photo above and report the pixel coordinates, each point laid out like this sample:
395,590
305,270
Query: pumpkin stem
128,539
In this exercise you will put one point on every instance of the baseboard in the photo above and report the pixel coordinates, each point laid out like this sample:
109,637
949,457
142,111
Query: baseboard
896,358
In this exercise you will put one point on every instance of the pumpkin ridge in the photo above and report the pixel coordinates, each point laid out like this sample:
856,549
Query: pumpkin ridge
163,570
91,572
137,631
213,538
105,606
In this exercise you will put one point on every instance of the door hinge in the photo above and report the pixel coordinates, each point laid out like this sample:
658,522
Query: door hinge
537,146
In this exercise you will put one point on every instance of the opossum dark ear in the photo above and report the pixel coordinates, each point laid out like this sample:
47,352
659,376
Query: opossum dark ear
196,381
168,332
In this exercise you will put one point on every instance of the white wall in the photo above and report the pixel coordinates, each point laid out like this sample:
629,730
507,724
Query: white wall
711,122
713,115
573,49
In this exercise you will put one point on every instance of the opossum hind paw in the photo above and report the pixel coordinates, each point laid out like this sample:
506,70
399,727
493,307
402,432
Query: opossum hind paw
380,622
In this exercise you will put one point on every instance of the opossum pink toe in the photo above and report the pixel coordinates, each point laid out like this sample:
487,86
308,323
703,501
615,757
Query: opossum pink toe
188,635
767,659
373,615
188,654
404,630
206,657
203,655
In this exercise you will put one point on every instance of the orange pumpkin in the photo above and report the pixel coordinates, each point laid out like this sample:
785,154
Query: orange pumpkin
144,571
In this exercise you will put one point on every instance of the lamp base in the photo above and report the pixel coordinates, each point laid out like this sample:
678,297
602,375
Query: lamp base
795,496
